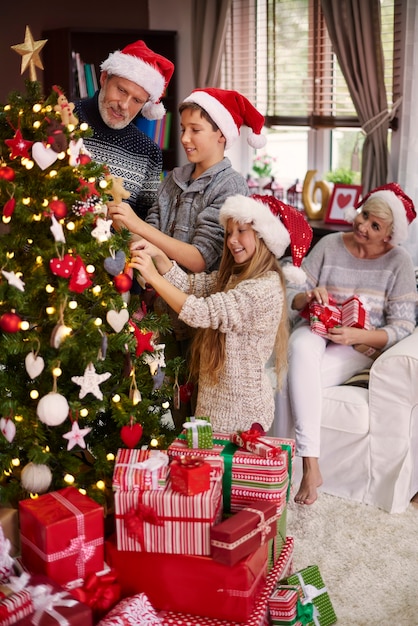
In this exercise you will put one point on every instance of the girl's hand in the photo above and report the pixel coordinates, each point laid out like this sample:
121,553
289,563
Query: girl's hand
123,216
161,260
143,262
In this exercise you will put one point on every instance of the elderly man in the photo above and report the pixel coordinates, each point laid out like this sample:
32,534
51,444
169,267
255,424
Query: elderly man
132,80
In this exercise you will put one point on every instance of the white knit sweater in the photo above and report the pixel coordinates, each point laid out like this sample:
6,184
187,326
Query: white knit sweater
249,314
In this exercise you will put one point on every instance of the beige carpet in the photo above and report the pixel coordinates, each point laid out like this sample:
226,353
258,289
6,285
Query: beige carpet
368,559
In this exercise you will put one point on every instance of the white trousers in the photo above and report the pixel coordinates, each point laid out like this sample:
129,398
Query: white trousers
314,364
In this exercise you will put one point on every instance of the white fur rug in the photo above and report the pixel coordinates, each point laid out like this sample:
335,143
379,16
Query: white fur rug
368,559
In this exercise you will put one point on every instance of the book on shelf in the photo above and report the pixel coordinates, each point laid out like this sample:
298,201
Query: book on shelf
88,71
157,130
86,82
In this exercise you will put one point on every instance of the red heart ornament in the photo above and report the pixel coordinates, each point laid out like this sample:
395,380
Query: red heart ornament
62,267
131,434
186,392
343,200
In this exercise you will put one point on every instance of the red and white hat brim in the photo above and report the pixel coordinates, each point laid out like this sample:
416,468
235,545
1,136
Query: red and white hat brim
138,71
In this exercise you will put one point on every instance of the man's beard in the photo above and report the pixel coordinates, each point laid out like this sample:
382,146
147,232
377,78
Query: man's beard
103,108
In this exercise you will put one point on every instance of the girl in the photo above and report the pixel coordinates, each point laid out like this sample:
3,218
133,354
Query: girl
240,311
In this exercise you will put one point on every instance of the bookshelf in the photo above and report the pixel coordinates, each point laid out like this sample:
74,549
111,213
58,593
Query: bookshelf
94,46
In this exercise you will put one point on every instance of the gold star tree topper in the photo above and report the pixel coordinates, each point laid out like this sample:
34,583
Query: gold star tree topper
29,50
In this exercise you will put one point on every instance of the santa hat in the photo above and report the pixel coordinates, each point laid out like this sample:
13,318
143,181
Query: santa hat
230,110
149,70
401,205
277,223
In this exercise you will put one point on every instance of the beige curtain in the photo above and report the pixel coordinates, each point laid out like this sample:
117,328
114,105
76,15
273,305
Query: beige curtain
354,27
208,36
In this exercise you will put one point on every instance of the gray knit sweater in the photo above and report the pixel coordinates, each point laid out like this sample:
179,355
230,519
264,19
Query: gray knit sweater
386,285
249,314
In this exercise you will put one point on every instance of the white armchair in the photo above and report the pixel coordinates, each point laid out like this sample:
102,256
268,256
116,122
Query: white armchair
369,437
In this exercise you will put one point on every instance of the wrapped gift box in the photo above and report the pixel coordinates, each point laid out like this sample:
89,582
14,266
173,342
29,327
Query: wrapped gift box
165,520
323,317
277,542
190,475
257,443
140,469
314,590
247,477
53,606
134,610
10,525
259,615
195,584
198,432
242,533
61,535
15,607
284,603
354,314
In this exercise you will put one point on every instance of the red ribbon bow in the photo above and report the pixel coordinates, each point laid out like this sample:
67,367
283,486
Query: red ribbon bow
253,436
190,462
100,593
135,518
325,317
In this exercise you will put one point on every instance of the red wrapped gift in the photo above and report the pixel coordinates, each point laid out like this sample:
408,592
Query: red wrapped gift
134,610
53,605
195,584
259,615
167,521
322,317
61,535
354,314
190,475
15,607
239,535
140,469
99,591
259,443
247,477
283,604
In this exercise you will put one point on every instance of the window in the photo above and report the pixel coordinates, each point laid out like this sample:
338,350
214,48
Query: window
278,53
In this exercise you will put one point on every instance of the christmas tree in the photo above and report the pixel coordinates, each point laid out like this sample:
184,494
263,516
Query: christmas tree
82,367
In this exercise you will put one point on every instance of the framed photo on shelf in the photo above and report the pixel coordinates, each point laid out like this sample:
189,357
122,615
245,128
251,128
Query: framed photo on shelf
342,197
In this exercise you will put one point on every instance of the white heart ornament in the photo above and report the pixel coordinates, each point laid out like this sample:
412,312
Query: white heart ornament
8,428
117,320
34,365
43,156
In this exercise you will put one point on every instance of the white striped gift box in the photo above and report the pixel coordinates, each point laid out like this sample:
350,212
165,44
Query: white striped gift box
15,607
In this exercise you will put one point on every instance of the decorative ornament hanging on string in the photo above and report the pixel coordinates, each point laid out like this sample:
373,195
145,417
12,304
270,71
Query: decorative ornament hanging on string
186,391
79,280
158,379
62,266
52,409
57,230
43,155
117,190
102,231
131,433
117,319
134,393
8,428
29,51
90,381
76,436
7,173
36,477
34,364
156,359
60,330
9,208
123,282
143,340
10,322
87,189
115,263
58,208
57,140
19,147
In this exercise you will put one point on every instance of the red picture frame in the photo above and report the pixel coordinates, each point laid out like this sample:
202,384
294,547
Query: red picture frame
342,197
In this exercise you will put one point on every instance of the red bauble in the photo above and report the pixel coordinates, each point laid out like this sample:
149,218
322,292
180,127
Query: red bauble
9,207
83,159
131,434
122,282
7,173
186,391
10,322
59,208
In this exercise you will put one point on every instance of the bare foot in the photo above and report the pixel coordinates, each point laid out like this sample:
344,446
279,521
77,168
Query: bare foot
310,482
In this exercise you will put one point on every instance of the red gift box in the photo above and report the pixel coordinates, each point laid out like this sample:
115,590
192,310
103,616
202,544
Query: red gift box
257,443
239,535
61,535
15,607
283,604
53,605
195,584
190,475
260,614
134,610
247,477
167,521
322,317
140,469
354,314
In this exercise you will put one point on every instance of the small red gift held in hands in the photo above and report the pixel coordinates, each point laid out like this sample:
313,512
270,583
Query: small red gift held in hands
190,475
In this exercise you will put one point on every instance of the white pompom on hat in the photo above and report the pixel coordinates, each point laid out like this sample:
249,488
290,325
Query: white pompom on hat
230,110
401,205
278,224
149,70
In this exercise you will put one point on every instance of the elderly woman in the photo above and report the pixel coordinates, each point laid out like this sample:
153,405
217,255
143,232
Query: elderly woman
369,263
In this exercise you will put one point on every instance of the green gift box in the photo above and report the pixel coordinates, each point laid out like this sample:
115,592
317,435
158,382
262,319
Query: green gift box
276,543
198,432
314,591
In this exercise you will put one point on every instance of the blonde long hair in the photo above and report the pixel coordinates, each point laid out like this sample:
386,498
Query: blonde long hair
208,346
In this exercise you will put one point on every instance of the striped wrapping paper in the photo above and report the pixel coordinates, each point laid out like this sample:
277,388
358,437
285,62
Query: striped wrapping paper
140,469
260,615
283,604
247,477
15,607
177,524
